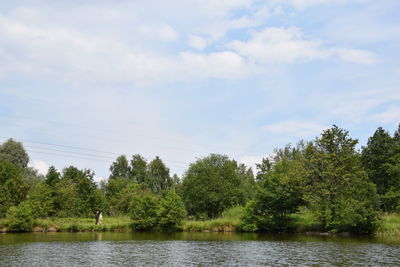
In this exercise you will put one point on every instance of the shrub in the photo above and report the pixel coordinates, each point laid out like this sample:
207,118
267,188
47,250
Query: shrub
143,211
172,212
21,218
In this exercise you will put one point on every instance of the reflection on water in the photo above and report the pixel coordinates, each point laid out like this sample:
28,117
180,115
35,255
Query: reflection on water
183,249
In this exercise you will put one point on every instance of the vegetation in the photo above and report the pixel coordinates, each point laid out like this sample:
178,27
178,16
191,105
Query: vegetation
325,184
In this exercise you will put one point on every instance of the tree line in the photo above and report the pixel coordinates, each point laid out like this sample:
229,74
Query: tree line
344,188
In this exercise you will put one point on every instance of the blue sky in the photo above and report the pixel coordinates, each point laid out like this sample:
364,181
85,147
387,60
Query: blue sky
185,78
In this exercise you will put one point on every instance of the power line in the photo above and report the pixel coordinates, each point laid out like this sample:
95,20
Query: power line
78,148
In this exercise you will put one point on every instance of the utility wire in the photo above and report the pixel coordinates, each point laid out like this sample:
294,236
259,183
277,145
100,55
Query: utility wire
78,148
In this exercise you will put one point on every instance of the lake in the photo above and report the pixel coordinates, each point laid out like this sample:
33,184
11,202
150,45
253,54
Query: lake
194,249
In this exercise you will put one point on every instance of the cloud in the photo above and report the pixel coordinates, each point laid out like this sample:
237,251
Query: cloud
303,4
41,166
162,31
197,42
274,45
301,129
390,115
251,161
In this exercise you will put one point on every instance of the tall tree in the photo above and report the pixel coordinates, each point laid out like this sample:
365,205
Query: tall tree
13,187
120,168
52,176
211,185
340,193
15,153
158,178
381,160
138,168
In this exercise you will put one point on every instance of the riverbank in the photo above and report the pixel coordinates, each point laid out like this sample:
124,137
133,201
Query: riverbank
303,223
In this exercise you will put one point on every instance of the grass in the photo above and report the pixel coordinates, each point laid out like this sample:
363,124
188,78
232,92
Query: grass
229,222
390,225
303,222
112,224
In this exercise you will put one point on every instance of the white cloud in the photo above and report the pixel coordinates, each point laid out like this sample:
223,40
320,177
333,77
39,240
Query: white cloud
251,161
163,32
197,42
41,166
279,45
294,128
356,56
302,4
390,115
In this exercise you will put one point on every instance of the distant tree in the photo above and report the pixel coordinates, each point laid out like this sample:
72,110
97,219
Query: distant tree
339,192
143,211
21,218
41,198
280,193
381,160
120,168
67,199
13,187
82,189
211,185
52,177
158,178
15,153
172,212
138,168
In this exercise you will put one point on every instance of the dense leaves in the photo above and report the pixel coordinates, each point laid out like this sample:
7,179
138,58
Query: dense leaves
213,184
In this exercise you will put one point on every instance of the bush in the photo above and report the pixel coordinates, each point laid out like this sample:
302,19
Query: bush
21,218
172,212
143,211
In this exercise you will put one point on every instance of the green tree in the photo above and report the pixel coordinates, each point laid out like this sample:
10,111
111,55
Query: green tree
52,176
381,160
67,199
143,211
280,193
211,185
138,168
120,168
158,178
15,153
339,192
21,218
85,188
172,212
41,198
13,187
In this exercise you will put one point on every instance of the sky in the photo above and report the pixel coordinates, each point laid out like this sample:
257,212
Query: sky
82,82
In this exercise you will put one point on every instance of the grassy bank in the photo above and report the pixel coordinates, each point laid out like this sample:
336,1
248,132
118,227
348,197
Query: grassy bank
229,222
110,224
390,225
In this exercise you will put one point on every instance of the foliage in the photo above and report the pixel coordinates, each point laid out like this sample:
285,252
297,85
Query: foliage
143,211
213,184
21,218
41,198
120,168
138,169
158,178
172,212
13,187
339,192
52,176
14,153
279,195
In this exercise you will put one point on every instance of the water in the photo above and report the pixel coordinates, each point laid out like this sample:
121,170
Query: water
193,249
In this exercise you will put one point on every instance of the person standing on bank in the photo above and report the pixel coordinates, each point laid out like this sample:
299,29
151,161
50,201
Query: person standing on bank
99,217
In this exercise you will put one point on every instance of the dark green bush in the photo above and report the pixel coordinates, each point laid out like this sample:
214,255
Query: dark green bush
21,218
172,212
143,211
